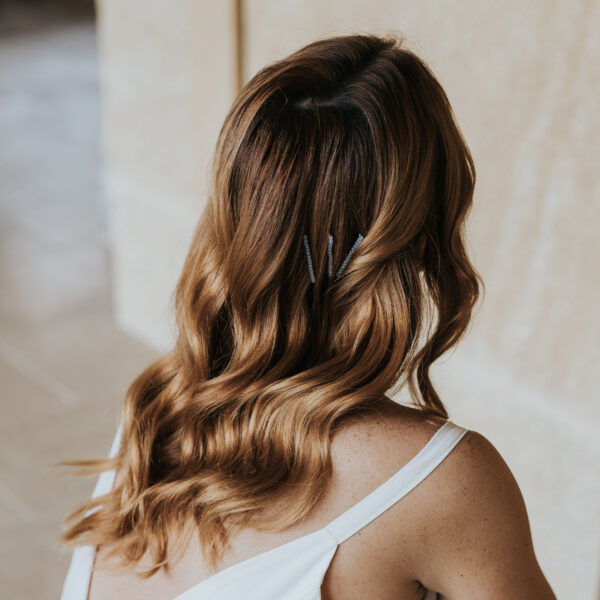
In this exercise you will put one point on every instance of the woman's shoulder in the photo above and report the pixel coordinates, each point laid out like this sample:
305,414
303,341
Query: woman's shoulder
387,436
387,439
465,525
381,443
369,449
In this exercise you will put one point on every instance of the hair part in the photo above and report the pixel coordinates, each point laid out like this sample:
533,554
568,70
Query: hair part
348,135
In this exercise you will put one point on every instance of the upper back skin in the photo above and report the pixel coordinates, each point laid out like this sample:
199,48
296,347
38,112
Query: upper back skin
409,546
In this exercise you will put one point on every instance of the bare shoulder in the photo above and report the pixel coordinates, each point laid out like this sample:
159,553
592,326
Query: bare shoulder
474,531
465,526
392,425
367,449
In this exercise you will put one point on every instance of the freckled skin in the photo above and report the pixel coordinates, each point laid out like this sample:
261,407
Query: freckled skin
463,531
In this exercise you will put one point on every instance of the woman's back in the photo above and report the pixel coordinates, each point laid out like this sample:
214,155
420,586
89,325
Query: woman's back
393,556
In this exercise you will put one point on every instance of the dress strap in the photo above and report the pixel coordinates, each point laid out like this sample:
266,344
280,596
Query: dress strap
77,580
106,478
399,484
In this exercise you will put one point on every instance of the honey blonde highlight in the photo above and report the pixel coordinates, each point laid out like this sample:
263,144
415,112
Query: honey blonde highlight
348,135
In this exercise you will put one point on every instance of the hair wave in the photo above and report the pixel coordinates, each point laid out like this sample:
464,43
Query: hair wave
348,135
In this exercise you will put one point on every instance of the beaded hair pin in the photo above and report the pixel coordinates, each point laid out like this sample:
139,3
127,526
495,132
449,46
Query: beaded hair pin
311,269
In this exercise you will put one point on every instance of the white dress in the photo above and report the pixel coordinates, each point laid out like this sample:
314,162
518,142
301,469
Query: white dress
295,570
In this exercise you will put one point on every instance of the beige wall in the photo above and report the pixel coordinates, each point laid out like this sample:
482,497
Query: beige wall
168,77
522,78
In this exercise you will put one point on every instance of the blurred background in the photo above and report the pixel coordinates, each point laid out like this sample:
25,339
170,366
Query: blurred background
108,117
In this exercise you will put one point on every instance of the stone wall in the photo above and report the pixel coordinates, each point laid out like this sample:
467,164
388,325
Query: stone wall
168,77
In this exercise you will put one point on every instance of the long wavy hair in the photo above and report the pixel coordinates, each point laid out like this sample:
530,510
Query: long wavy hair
349,135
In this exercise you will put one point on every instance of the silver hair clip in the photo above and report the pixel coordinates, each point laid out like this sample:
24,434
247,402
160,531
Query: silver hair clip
311,269
330,255
308,256
347,259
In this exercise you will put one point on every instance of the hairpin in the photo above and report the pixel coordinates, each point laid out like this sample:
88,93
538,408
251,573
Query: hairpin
308,256
311,269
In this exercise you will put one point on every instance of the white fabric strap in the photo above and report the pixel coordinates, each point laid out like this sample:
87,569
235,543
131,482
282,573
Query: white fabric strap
77,580
106,478
399,484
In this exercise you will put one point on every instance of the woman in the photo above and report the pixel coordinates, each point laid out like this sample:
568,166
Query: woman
261,458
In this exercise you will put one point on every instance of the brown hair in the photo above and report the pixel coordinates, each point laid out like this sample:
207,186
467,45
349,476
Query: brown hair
349,135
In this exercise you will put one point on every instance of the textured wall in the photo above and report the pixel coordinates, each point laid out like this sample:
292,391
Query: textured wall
168,78
522,78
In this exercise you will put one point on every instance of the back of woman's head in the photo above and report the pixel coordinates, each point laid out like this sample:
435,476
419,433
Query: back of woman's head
348,136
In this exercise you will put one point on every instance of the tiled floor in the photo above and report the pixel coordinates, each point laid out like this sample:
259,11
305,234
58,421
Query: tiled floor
64,366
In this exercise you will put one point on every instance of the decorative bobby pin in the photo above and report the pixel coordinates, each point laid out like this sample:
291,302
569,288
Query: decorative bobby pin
311,269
